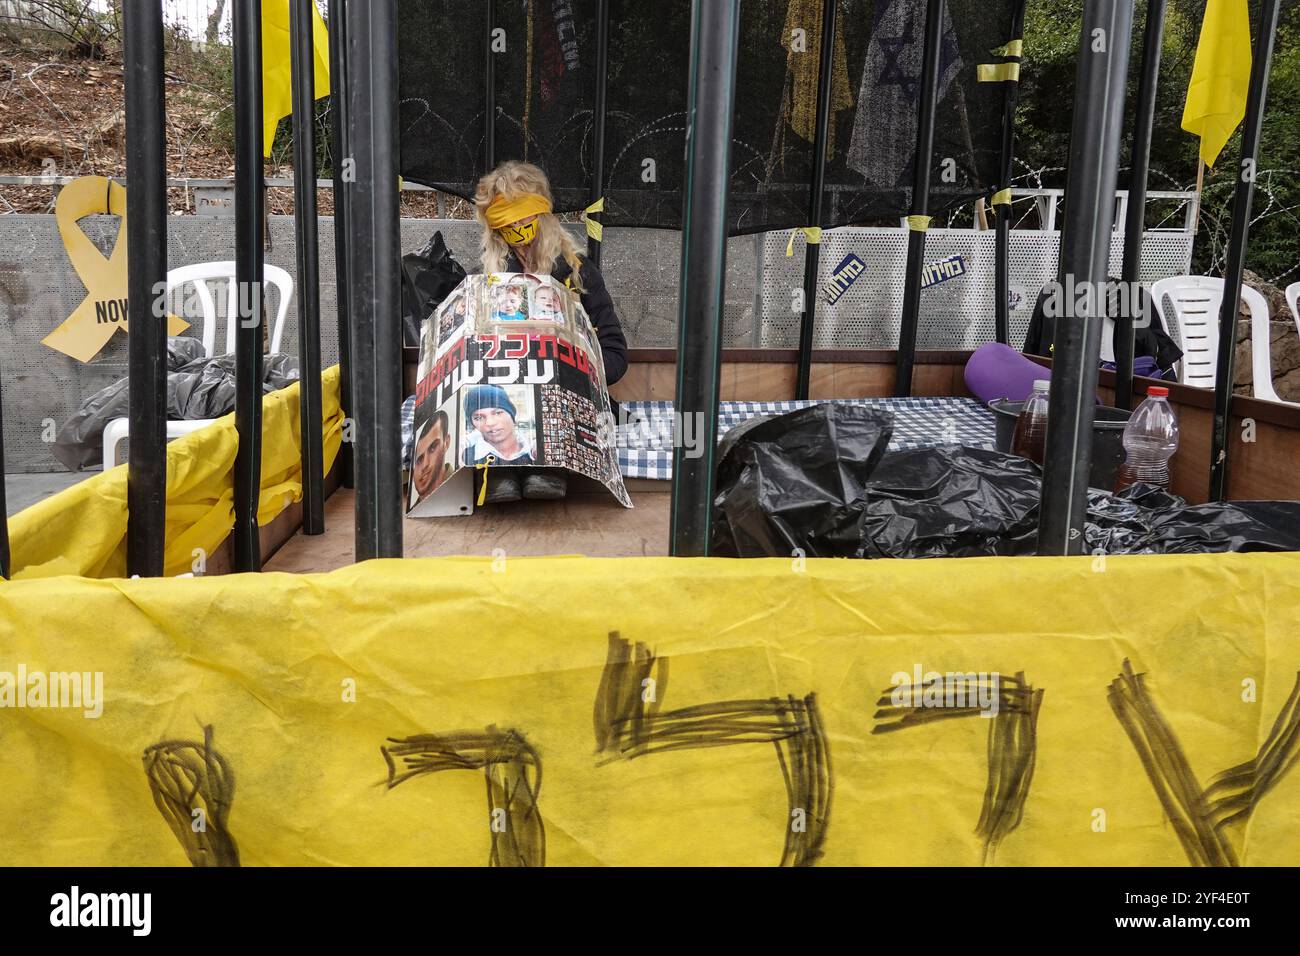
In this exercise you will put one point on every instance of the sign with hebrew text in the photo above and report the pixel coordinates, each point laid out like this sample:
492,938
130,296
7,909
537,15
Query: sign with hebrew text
529,712
510,376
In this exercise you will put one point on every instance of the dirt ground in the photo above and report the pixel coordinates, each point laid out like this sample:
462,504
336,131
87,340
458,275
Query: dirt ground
65,117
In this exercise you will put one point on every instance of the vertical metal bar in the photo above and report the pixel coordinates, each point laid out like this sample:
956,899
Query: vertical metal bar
598,121
1085,254
1262,60
4,505
375,279
146,224
490,93
1002,212
816,197
715,30
249,206
341,152
307,245
921,165
1135,222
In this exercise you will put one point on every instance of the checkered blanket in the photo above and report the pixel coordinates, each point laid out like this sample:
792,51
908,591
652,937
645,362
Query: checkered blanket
645,444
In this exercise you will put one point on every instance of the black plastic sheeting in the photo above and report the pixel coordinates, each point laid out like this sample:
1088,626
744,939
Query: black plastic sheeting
197,388
545,77
820,482
428,277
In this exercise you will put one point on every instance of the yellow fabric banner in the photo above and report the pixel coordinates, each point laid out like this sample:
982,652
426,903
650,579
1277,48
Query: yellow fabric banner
1216,95
82,530
1130,711
277,66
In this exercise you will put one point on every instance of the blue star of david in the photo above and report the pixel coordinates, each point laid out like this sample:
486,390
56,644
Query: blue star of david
892,74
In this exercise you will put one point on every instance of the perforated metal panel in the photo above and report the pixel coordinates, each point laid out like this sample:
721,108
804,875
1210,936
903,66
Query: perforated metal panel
955,314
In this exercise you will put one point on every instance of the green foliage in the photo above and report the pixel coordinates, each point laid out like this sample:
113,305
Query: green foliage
1045,114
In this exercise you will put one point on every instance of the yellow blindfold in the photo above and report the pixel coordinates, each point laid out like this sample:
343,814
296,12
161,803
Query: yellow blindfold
503,214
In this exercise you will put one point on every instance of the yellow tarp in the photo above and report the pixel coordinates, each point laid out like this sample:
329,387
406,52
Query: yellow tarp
353,718
82,531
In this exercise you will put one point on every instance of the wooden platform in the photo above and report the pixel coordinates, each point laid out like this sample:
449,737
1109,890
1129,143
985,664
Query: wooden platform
594,525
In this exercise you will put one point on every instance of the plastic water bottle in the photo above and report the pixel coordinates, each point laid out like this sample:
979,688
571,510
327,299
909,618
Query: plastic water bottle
1030,438
1150,440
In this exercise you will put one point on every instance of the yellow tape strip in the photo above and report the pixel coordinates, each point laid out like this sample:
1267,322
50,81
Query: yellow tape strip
998,72
812,233
1001,198
1012,48
482,492
918,223
594,229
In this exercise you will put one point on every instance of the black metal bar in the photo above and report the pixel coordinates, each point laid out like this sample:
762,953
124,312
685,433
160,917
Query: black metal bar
307,246
817,190
920,197
1238,238
598,122
375,280
4,504
1002,211
1085,254
715,30
249,225
341,153
146,225
1135,221
490,93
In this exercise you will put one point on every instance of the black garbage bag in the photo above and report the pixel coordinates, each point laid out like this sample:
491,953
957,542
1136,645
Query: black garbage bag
428,277
817,480
199,388
950,501
795,481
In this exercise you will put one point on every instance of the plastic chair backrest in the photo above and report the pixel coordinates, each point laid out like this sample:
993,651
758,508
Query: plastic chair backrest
1193,321
202,273
1261,341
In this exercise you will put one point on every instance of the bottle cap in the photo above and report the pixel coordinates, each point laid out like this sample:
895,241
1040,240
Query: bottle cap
1042,384
1157,391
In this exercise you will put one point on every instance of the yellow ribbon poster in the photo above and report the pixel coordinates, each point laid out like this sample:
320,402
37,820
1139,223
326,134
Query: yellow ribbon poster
87,330
1140,711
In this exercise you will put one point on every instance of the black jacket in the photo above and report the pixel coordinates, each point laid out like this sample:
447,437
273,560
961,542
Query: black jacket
600,309
1150,339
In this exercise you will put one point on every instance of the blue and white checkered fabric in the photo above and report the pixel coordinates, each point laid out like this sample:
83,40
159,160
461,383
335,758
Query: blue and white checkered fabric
645,444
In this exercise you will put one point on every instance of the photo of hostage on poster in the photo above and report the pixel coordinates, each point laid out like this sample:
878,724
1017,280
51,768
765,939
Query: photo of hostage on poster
433,461
500,422
510,376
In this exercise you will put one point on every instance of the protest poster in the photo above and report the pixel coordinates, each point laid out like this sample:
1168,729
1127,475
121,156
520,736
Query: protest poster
510,375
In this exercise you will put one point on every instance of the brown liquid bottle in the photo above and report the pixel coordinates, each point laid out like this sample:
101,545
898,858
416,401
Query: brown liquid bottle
1030,438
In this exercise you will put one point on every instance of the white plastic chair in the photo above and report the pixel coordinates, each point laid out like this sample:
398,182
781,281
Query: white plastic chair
199,275
1192,320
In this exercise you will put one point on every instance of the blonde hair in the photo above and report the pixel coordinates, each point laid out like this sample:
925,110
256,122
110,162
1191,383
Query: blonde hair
511,179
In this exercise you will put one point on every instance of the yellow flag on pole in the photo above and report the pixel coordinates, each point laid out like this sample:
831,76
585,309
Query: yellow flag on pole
1216,97
277,69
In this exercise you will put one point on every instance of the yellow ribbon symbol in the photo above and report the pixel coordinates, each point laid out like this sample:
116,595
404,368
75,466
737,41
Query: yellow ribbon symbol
482,492
90,326
594,229
812,233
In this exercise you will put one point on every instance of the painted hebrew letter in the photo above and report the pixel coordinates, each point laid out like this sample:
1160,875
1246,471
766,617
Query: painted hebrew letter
1200,815
193,786
514,780
1013,736
627,728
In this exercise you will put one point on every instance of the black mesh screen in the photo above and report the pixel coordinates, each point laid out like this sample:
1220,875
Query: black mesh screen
546,83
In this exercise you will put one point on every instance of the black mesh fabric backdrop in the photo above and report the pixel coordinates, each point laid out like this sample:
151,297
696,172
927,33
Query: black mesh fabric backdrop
545,95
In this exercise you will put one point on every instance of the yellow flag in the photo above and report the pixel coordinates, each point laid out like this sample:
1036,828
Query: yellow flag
277,70
1216,97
